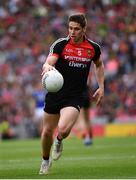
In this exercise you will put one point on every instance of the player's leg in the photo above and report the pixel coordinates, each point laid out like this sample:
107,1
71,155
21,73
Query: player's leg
89,135
50,122
68,117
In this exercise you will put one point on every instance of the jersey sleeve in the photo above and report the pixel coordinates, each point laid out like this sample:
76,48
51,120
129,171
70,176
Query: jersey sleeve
97,51
55,49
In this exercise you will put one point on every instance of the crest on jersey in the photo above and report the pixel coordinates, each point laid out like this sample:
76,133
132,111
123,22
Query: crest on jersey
89,52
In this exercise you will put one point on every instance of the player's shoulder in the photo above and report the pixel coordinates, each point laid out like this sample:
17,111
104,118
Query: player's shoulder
61,41
93,43
59,45
96,47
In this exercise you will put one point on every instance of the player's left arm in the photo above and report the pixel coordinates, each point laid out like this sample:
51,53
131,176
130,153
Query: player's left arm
99,72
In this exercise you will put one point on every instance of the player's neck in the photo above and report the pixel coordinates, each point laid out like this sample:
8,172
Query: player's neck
78,41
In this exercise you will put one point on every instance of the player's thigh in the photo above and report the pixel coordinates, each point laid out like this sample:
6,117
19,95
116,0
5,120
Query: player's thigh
50,120
68,117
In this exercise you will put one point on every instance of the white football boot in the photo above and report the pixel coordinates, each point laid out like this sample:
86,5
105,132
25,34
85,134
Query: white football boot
57,150
45,166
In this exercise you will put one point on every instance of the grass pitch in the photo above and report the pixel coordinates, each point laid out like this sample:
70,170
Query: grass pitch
107,158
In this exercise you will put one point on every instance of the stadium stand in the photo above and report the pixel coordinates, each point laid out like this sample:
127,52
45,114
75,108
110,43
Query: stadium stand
27,28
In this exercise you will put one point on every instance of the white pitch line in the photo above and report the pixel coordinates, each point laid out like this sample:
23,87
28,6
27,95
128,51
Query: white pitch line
104,146
108,157
99,158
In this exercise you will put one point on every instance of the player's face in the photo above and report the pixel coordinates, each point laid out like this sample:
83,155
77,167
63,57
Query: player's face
76,32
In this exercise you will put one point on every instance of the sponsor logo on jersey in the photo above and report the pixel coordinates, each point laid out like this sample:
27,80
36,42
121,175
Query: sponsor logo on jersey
76,58
77,65
77,62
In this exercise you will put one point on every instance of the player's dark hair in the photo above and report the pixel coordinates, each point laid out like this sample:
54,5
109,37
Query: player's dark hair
79,18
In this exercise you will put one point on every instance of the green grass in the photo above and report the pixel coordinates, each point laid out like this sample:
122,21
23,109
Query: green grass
106,158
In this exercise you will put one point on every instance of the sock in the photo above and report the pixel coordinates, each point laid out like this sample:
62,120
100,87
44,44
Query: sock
46,158
59,139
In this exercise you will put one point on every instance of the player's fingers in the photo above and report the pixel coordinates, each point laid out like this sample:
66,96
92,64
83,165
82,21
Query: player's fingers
42,73
49,68
98,102
95,94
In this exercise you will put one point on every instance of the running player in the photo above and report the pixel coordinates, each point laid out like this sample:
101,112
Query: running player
85,115
72,57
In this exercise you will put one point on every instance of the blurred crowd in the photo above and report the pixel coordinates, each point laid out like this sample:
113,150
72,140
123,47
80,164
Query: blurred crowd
27,29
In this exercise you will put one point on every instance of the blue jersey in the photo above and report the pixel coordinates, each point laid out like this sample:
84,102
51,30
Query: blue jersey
39,97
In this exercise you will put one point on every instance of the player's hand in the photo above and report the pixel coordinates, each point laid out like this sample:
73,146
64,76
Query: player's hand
98,96
46,68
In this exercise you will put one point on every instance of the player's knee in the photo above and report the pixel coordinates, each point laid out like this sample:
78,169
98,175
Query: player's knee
63,131
47,132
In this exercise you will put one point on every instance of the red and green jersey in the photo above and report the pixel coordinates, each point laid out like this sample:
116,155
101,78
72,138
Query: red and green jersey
74,61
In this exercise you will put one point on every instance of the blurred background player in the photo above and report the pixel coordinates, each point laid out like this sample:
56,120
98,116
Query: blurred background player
85,116
39,97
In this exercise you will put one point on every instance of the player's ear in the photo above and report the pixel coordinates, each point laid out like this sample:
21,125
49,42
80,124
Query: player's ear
84,29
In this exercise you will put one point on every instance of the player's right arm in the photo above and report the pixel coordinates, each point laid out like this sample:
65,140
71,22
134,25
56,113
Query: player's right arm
49,63
51,58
